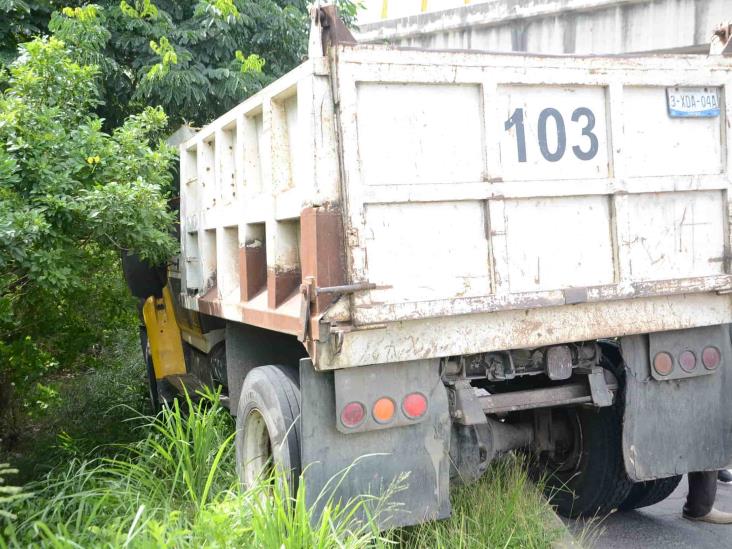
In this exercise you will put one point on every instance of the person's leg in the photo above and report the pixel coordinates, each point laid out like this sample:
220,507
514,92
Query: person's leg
700,501
702,491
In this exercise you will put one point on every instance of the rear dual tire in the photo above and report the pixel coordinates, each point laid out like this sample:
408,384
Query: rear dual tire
268,426
591,480
645,494
588,478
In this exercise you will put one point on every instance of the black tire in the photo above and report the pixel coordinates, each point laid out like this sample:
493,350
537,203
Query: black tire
143,279
152,384
268,426
642,494
590,480
217,365
589,477
645,494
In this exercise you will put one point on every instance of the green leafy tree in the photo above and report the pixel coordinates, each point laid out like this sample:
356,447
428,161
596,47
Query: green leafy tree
71,198
195,59
199,59
20,21
82,173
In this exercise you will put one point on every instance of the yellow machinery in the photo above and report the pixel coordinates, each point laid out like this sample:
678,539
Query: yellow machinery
163,336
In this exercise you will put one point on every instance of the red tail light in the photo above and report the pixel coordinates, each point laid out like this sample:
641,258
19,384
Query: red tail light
711,358
663,363
414,405
353,414
687,361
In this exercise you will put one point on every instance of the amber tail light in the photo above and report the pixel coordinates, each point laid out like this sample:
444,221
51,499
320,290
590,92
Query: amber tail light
663,363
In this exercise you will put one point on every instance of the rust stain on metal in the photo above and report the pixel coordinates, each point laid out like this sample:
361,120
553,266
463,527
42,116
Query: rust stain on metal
253,269
334,30
322,251
281,284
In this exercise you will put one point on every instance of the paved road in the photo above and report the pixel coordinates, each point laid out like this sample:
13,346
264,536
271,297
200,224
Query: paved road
660,526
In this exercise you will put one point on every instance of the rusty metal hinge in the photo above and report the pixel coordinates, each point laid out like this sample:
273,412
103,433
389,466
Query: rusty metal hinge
306,298
309,292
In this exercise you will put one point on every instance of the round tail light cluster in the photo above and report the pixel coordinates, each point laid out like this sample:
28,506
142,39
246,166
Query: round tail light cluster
663,362
414,406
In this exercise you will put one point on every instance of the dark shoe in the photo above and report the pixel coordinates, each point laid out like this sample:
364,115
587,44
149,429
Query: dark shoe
724,476
713,517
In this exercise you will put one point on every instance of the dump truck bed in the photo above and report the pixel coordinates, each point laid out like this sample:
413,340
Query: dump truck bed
391,204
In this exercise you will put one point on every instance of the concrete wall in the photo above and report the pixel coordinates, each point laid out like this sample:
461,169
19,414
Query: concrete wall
559,26
372,11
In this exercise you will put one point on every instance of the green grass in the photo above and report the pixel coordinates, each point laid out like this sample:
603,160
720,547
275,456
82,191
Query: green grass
504,509
175,488
119,478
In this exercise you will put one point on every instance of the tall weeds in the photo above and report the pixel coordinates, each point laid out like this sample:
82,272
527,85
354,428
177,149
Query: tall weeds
8,494
177,488
504,510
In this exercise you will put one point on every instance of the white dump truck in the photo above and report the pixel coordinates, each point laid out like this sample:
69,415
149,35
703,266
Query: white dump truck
429,258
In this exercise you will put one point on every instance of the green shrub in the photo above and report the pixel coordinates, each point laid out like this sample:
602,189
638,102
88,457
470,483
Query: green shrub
72,197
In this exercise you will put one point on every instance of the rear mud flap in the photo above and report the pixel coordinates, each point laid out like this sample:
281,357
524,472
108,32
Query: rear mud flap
344,466
676,426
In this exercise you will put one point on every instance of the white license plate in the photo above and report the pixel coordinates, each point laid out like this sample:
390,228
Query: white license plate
692,102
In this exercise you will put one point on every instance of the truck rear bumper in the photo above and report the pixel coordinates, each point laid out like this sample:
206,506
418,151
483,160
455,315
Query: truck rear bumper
519,329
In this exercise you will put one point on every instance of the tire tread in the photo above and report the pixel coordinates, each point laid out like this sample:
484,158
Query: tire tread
287,395
645,494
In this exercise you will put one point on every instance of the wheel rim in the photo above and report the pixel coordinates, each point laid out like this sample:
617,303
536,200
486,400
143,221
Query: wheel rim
257,449
569,448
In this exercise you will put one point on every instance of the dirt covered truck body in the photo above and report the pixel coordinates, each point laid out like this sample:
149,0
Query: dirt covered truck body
453,254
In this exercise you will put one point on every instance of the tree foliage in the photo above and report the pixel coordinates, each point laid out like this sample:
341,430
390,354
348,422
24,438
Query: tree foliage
71,198
195,59
199,59
20,21
84,89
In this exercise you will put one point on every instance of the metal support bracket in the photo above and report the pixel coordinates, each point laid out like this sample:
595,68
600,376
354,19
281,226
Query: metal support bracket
345,289
601,393
722,41
334,31
465,406
309,292
306,299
